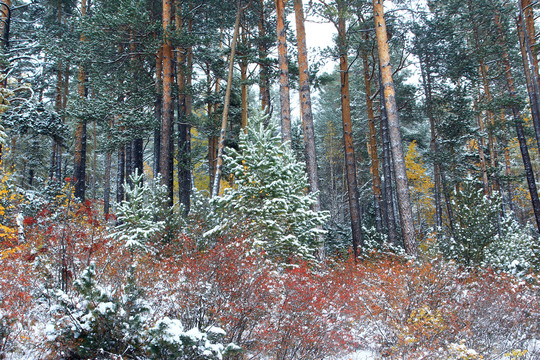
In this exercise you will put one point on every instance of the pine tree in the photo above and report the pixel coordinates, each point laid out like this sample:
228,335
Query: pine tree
268,202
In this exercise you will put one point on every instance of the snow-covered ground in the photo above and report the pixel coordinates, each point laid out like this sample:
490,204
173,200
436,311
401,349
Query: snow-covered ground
359,355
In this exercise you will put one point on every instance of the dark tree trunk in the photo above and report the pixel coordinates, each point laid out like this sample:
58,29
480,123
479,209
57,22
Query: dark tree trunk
120,175
519,127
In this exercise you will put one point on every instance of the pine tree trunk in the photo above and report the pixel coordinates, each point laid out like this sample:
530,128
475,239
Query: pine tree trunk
403,195
184,63
481,155
530,72
350,160
389,215
226,104
372,143
120,171
5,21
519,127
306,112
128,153
427,85
167,145
79,168
157,111
448,202
283,72
305,103
244,86
56,154
264,86
487,94
107,184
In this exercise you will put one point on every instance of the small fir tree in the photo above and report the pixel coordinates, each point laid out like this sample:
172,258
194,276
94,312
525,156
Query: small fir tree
144,216
269,201
475,227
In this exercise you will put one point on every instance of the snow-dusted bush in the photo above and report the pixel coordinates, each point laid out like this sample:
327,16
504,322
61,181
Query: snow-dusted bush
169,340
95,324
484,237
269,200
514,250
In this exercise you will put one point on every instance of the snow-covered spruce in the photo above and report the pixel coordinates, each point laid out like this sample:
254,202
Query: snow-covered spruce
269,201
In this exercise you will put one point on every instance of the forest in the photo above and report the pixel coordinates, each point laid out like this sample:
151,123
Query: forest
187,179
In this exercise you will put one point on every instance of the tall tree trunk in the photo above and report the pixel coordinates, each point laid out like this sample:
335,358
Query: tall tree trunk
79,168
481,155
184,61
305,111
388,214
403,195
167,145
244,87
480,121
519,126
530,67
137,143
427,85
264,86
226,104
350,160
120,171
305,103
372,143
107,184
107,180
448,202
284,97
526,10
56,154
157,111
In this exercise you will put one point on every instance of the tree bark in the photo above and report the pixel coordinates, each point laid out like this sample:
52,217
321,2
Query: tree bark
389,215
372,143
350,160
402,186
264,86
167,145
427,85
305,103
519,126
184,63
306,112
107,184
157,111
5,20
226,104
244,86
284,97
79,168
120,171
530,67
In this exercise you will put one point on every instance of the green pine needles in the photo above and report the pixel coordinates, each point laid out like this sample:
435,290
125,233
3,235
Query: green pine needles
269,201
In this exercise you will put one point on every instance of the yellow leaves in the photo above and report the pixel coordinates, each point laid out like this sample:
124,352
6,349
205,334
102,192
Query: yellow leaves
420,184
8,252
516,354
